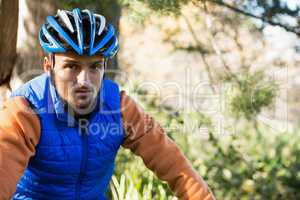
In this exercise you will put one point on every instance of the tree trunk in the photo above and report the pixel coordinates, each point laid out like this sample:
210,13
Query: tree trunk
30,55
8,40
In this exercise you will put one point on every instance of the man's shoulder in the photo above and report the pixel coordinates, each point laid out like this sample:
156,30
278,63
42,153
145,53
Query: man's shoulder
34,84
33,90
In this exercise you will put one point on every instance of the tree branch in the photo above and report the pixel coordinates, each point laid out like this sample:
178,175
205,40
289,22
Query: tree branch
207,66
264,19
214,44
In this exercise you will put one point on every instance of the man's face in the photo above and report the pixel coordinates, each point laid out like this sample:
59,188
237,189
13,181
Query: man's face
77,79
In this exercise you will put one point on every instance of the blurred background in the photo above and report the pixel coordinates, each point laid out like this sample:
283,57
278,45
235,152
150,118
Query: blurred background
222,77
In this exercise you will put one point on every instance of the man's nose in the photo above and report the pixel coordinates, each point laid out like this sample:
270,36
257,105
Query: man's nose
83,77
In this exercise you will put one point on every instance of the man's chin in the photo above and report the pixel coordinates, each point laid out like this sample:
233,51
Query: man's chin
83,108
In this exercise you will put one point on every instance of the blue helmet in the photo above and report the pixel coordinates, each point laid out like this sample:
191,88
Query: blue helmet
79,31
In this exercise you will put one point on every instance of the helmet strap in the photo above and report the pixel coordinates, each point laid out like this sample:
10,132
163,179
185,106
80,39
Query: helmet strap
105,66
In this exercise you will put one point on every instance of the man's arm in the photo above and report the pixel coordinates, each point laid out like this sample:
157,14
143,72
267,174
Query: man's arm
19,134
146,138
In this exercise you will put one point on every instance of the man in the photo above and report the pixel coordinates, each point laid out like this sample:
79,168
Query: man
61,131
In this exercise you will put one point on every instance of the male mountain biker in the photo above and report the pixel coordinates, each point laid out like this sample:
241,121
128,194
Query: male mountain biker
60,132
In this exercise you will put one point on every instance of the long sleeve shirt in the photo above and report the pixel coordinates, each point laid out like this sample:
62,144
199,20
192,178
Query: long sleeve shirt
20,132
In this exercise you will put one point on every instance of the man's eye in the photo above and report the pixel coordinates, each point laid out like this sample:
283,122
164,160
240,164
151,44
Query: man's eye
98,66
71,66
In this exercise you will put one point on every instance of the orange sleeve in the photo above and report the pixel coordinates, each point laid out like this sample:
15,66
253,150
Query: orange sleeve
19,134
146,138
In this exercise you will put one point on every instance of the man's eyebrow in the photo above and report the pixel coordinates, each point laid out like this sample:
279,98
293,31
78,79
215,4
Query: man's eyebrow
70,60
96,62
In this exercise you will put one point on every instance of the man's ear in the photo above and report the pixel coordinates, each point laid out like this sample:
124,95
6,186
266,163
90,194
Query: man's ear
47,64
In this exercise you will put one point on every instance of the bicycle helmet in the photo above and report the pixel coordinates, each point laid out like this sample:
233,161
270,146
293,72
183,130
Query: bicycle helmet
80,31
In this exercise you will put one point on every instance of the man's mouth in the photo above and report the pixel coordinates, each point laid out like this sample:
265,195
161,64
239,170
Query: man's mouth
83,91
80,93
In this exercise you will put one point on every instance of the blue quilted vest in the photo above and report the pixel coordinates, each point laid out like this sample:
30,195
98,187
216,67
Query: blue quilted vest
72,161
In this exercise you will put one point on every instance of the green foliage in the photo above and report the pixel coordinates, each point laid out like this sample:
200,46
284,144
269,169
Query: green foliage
245,165
250,167
166,6
250,93
108,8
133,181
69,5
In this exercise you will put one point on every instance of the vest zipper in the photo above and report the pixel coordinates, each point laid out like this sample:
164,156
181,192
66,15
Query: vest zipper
84,138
